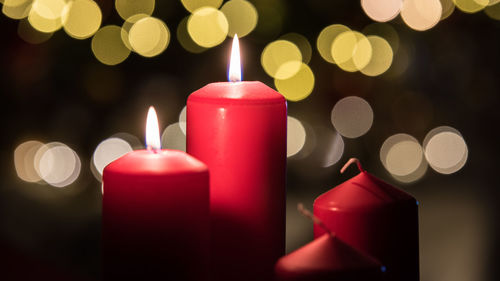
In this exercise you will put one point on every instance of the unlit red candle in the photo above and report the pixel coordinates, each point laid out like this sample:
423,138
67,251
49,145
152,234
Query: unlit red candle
155,216
239,130
376,218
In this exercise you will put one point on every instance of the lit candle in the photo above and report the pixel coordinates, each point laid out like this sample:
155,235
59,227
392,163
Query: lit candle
376,218
239,130
155,214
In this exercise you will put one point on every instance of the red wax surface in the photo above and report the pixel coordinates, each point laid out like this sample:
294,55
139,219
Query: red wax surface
239,130
155,217
328,258
376,218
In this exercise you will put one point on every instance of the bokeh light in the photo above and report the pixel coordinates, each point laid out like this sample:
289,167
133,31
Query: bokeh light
45,15
185,39
241,16
351,51
401,155
128,8
493,11
192,5
108,151
127,25
385,31
149,36
182,119
297,87
326,38
421,14
302,43
108,46
381,58
16,9
333,150
208,27
81,18
281,59
173,138
57,164
352,117
381,10
296,136
448,7
471,6
445,150
31,35
24,160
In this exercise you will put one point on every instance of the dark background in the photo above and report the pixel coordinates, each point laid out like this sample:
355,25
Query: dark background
48,93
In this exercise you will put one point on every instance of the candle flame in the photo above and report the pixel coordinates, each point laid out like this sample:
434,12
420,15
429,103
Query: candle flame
152,131
234,73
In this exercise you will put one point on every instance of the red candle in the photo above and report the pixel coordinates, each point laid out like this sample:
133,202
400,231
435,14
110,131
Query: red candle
155,214
239,130
376,218
328,258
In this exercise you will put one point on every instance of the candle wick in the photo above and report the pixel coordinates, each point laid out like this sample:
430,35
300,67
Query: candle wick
151,148
352,160
306,213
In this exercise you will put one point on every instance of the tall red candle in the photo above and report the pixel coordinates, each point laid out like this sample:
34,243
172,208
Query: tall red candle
239,130
376,218
155,215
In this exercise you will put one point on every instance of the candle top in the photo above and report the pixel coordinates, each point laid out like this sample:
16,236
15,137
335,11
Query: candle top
159,163
248,92
327,255
363,190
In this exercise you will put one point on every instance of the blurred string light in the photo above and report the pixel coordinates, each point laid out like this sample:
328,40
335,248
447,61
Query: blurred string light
182,119
471,6
302,43
149,36
334,149
352,117
173,138
296,136
31,35
281,59
107,151
493,11
128,8
192,5
381,58
445,150
326,38
241,16
53,163
385,31
185,39
448,7
351,51
108,46
45,15
16,9
421,15
81,18
297,87
208,27
381,10
402,155
127,25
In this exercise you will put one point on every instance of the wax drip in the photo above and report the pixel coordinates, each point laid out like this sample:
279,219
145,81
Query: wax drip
352,160
306,213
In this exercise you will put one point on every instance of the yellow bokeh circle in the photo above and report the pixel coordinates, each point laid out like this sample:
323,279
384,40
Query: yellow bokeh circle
471,6
108,46
351,51
281,59
297,87
81,18
242,17
193,5
45,15
128,8
16,9
208,27
326,38
149,36
185,39
382,56
302,43
126,28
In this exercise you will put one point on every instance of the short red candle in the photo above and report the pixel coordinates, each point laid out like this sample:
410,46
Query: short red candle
155,217
328,258
376,218
239,130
